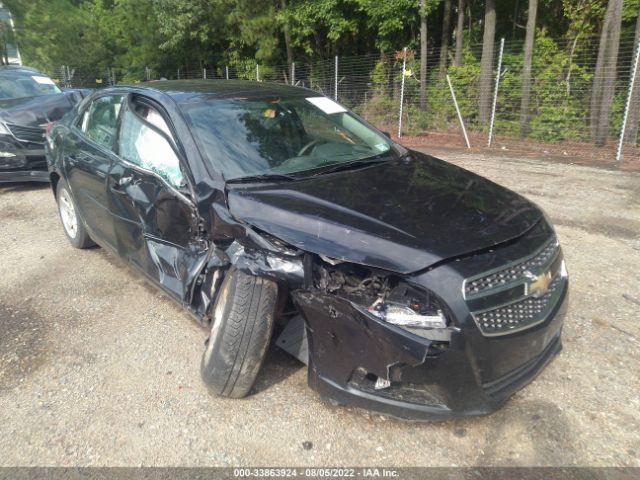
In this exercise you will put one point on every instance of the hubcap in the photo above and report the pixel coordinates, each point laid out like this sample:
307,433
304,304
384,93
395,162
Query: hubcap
68,214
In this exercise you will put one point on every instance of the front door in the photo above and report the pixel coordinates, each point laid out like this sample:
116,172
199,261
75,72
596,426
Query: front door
155,222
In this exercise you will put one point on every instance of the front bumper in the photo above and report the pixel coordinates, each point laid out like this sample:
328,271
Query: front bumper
461,371
22,161
348,350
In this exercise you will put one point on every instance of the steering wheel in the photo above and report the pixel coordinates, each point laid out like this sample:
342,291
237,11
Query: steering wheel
312,143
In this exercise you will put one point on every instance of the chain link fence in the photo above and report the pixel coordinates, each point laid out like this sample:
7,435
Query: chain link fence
390,92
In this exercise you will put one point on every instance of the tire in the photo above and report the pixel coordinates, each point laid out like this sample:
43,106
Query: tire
243,319
72,223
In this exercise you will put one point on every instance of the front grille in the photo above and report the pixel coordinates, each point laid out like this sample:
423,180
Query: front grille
513,297
512,273
519,315
27,134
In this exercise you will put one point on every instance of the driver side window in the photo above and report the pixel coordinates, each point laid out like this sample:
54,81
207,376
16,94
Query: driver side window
143,146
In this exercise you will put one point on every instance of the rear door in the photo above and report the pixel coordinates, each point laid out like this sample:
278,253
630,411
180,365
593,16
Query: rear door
88,158
155,221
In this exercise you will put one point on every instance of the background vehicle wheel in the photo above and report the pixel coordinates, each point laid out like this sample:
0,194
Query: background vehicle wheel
243,319
71,221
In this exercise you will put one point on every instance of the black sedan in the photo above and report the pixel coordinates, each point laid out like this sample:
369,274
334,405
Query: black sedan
29,101
406,284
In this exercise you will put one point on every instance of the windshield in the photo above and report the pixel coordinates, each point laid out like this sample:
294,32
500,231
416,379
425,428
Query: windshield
243,138
21,85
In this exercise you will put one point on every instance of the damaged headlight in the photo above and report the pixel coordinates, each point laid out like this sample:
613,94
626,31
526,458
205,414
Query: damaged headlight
385,296
413,315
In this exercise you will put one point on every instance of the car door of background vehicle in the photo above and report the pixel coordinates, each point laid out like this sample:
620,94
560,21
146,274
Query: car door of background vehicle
155,224
88,158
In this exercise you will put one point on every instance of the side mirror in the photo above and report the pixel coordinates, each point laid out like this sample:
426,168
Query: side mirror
386,134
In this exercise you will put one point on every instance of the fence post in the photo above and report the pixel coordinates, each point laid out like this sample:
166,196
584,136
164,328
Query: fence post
226,71
495,92
335,68
632,81
455,102
293,73
404,69
178,74
257,72
204,73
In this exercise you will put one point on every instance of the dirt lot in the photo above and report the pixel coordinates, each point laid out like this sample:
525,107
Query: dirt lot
98,368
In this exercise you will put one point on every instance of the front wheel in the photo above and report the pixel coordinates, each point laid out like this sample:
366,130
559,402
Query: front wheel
71,221
240,333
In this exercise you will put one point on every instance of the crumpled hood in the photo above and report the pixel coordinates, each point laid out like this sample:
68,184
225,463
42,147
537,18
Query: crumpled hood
400,216
36,111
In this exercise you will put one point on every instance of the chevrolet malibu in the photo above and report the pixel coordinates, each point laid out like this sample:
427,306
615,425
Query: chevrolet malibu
408,286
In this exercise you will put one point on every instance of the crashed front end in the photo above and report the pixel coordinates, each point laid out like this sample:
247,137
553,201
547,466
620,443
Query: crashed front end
456,339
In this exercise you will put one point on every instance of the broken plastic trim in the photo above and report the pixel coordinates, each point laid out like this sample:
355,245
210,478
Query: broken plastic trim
386,297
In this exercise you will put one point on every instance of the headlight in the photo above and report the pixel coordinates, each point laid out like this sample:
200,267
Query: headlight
409,307
406,316
386,297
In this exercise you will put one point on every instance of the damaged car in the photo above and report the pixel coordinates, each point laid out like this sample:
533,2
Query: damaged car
409,286
29,102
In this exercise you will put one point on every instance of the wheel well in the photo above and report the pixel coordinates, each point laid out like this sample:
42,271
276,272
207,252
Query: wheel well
54,177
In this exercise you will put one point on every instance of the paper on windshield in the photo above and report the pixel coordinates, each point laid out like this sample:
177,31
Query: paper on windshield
42,80
327,105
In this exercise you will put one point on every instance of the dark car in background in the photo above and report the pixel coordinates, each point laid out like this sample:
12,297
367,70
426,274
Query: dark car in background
29,101
407,285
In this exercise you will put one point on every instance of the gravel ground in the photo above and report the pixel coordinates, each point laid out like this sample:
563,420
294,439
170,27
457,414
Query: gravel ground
99,368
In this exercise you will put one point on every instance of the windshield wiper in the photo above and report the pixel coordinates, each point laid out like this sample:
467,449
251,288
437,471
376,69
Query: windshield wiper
264,177
337,167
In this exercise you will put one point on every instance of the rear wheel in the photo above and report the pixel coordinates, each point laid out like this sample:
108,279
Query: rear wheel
71,221
240,333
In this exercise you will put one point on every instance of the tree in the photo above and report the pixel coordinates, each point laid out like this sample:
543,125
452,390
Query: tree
459,33
444,42
286,32
633,120
526,69
605,73
486,62
423,54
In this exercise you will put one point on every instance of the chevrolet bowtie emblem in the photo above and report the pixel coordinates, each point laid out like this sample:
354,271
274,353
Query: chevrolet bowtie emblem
539,284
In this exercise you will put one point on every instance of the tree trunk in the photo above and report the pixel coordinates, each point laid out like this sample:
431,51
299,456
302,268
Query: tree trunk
605,74
287,34
423,55
486,63
444,44
459,33
526,69
633,120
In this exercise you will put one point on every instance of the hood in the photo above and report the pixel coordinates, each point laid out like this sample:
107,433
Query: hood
401,216
36,111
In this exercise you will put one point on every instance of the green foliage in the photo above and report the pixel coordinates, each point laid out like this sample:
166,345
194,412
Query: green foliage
130,36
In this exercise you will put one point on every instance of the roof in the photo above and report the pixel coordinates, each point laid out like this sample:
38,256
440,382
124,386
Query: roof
18,69
183,90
